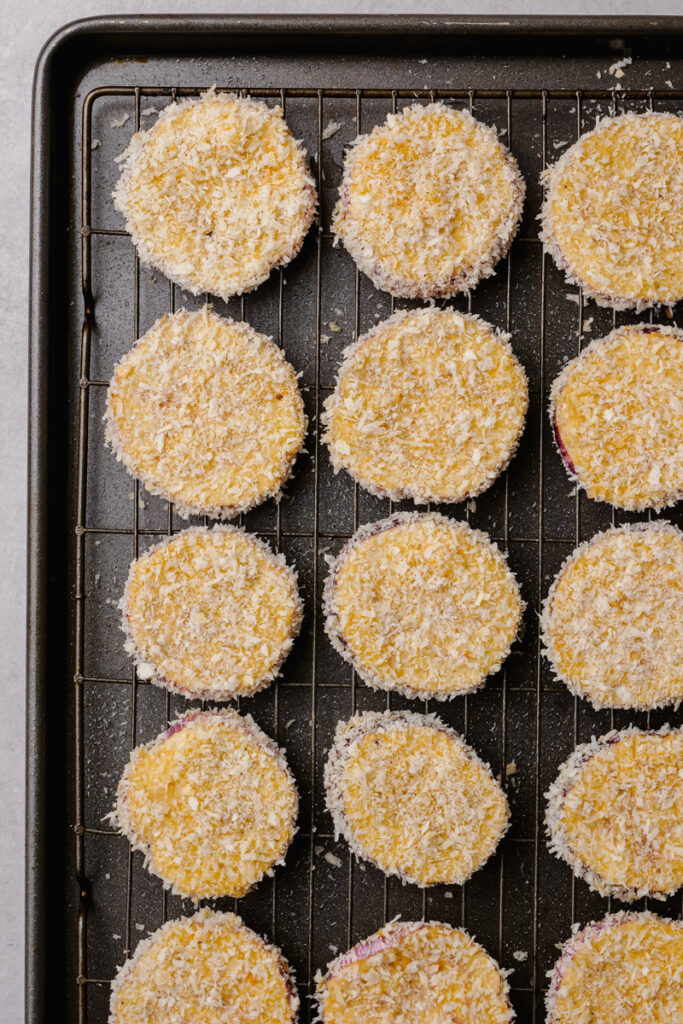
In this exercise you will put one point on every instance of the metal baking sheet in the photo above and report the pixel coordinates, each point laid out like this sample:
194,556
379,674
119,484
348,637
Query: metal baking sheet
541,82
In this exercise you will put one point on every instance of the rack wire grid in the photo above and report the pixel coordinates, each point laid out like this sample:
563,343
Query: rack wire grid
523,902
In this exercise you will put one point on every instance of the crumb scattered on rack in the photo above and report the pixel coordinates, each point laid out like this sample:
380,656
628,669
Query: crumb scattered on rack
290,723
331,128
588,324
520,955
334,326
119,122
148,111
572,297
332,859
324,338
510,769
95,144
617,69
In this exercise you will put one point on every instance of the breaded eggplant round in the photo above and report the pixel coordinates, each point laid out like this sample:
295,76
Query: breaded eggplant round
611,622
616,412
408,794
207,413
415,971
429,405
216,193
614,813
429,202
211,613
624,969
423,605
210,802
205,969
612,218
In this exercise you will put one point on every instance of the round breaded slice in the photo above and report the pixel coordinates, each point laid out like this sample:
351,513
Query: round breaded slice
624,969
429,405
614,813
205,969
611,622
216,193
211,613
207,413
415,971
408,794
210,802
616,412
612,218
429,202
423,605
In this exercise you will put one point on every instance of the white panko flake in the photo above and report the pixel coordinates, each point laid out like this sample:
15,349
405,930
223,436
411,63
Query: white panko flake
624,969
206,412
617,69
415,971
205,969
213,612
408,794
612,218
331,128
210,802
616,413
429,202
423,605
614,813
611,622
216,193
429,405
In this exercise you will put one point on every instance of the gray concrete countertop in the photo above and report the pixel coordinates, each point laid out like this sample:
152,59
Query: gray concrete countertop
25,29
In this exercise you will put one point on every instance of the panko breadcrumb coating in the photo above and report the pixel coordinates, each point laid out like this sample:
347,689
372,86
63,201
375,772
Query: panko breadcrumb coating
625,969
216,193
422,604
429,405
211,613
210,802
614,813
429,202
206,412
205,969
613,212
612,622
409,794
617,415
415,971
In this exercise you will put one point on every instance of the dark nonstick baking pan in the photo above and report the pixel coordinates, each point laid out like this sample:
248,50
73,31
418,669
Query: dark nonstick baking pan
541,81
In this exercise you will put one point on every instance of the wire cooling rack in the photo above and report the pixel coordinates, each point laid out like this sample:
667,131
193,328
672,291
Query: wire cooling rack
523,902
